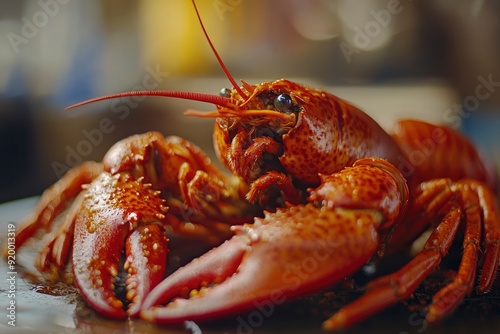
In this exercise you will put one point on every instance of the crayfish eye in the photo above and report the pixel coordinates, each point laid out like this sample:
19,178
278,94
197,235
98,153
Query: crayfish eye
283,102
225,92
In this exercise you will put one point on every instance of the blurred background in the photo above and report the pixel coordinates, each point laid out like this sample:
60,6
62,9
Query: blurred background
436,60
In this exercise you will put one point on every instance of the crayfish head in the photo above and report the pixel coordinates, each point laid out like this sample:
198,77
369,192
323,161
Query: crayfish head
249,139
281,126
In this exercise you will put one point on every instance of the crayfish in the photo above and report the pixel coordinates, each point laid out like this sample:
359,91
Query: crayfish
314,181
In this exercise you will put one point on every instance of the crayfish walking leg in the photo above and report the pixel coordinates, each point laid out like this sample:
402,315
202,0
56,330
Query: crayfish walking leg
466,201
52,203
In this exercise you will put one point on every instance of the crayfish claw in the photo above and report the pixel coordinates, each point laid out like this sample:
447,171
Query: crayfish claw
119,213
265,261
192,282
146,258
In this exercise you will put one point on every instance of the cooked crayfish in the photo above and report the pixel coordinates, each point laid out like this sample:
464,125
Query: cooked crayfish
315,183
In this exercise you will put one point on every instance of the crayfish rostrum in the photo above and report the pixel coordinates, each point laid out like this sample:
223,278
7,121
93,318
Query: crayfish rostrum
314,181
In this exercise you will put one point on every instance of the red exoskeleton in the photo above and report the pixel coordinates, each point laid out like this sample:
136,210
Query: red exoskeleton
314,184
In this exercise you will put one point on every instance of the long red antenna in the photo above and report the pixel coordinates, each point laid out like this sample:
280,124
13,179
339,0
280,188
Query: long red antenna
219,59
209,98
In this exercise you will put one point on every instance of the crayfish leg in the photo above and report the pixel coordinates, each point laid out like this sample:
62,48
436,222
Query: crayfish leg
481,219
55,199
388,290
54,254
466,201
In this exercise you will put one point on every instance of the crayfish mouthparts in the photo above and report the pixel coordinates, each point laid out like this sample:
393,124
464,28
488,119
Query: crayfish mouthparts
250,150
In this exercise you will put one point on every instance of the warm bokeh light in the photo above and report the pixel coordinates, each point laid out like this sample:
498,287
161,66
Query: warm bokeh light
54,53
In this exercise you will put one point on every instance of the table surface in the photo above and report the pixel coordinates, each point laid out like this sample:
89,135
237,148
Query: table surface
63,311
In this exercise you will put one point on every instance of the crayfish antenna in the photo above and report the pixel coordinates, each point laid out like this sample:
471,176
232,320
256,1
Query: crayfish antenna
201,97
219,59
238,113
